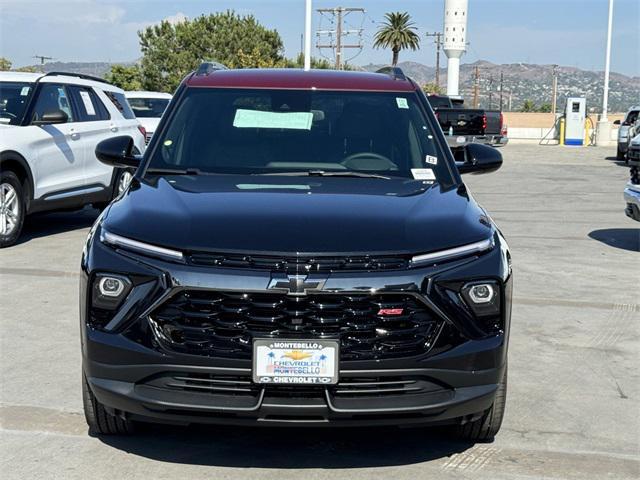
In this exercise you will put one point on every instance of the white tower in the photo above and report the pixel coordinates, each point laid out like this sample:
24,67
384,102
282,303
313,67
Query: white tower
455,40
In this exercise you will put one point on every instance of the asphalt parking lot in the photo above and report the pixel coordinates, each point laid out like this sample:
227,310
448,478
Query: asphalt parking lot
573,406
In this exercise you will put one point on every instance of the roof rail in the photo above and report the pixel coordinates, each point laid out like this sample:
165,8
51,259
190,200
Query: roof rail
78,75
207,68
394,72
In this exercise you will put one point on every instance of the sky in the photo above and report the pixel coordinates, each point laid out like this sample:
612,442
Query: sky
566,32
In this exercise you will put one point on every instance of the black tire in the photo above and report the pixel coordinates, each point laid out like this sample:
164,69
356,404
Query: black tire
99,420
486,427
9,178
620,154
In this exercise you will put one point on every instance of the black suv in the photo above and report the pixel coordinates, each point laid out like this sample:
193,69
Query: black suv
296,247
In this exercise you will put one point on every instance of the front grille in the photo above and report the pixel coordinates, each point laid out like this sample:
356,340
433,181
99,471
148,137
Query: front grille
223,324
300,264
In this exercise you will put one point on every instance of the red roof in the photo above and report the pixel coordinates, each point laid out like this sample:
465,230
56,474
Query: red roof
288,78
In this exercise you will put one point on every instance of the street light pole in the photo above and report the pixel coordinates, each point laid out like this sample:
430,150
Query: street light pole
603,136
307,36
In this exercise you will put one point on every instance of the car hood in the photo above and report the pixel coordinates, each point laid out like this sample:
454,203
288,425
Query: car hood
297,215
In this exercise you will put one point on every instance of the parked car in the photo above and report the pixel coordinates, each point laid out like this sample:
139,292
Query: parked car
50,125
148,108
463,125
623,131
296,248
632,190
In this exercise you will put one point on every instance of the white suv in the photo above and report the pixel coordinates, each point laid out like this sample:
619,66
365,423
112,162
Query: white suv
148,108
50,125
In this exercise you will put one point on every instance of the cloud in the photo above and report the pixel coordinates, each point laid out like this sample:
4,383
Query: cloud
177,18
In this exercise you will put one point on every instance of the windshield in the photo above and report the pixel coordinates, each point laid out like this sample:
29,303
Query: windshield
13,101
274,132
148,107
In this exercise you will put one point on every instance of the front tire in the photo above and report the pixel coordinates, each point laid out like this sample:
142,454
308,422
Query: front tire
487,426
620,154
12,208
99,420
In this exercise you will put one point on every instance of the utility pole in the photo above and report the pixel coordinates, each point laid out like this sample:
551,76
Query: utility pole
42,58
476,86
554,90
438,41
490,92
339,13
501,85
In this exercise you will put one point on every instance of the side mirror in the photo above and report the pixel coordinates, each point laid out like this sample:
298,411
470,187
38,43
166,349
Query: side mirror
52,117
616,122
118,152
479,158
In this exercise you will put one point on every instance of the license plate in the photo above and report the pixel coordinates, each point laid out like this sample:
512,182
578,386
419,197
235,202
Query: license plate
295,362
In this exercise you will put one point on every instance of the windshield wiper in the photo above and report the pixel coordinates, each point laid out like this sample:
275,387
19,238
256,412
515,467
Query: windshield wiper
171,171
323,173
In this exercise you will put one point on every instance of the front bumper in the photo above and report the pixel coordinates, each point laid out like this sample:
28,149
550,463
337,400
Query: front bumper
632,198
450,383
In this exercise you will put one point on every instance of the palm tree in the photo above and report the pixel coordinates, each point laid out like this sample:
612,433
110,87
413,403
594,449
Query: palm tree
397,33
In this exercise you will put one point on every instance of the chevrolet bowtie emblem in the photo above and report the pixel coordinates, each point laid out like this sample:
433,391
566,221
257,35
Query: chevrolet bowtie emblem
296,284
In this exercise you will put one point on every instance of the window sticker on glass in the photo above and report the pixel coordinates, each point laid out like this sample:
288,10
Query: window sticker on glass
25,91
431,160
423,174
402,102
88,104
280,120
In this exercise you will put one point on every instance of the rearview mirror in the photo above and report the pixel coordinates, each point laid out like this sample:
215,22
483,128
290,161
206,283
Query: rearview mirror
478,158
118,152
51,118
616,122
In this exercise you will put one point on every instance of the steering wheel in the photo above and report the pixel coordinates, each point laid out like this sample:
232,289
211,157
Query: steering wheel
8,114
368,161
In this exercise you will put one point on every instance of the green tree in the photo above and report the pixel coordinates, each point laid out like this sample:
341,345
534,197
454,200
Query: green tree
432,88
545,108
528,106
5,64
170,51
125,77
28,69
318,63
398,32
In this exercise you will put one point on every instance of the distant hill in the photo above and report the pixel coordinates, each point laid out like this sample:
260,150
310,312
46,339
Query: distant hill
96,69
523,81
532,82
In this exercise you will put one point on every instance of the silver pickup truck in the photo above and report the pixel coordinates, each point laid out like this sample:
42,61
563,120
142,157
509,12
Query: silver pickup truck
623,132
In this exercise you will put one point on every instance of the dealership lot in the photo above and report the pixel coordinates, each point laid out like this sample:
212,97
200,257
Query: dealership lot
573,401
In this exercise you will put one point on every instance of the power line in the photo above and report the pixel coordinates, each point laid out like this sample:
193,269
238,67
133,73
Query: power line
335,37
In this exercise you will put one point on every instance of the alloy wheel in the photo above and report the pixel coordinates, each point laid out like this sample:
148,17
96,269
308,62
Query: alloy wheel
124,181
9,209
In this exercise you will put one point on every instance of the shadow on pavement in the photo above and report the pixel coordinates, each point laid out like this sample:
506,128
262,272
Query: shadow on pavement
44,224
288,448
617,161
623,238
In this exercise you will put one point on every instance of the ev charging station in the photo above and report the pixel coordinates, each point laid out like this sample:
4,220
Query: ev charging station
575,115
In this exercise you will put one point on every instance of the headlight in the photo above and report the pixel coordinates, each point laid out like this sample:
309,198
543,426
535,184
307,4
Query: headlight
468,249
139,247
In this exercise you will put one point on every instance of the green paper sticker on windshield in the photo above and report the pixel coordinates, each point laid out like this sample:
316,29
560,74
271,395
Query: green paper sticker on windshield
402,102
280,120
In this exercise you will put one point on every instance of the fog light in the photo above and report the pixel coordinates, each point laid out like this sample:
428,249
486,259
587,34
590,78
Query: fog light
111,287
110,290
482,293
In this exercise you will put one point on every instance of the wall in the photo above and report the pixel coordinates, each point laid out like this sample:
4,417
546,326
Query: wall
533,126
